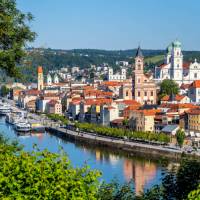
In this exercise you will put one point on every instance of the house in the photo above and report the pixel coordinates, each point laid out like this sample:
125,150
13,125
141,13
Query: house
54,107
27,96
194,92
108,113
142,120
42,101
194,122
175,99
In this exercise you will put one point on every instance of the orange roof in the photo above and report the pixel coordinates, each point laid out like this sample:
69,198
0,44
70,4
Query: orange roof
97,101
132,107
112,83
40,70
185,86
177,97
33,92
131,102
196,84
194,112
186,65
148,112
178,105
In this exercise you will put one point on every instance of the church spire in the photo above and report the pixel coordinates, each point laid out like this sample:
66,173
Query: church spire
139,52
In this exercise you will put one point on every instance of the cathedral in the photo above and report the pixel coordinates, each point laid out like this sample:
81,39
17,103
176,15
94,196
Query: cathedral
175,68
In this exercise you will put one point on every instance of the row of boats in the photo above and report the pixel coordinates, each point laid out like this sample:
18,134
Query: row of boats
19,119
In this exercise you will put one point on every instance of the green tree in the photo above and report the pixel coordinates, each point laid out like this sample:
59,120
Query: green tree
14,34
180,136
4,91
41,175
168,87
195,194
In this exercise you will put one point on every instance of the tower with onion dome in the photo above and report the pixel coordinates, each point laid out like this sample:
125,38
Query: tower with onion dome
177,62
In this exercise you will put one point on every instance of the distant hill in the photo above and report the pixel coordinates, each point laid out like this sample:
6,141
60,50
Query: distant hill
57,58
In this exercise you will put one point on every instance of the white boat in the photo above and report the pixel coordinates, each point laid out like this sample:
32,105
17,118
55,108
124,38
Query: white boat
22,127
5,109
12,119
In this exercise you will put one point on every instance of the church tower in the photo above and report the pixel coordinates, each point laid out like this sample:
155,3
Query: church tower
177,62
49,79
138,73
56,79
40,82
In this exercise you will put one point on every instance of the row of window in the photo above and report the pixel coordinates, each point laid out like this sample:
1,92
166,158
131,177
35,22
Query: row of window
146,93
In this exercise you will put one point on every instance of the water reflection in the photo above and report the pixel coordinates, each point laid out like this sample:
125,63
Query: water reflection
112,163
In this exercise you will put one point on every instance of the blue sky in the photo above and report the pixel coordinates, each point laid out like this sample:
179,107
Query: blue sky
114,24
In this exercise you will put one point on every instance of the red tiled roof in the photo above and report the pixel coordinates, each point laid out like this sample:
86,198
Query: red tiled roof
185,86
194,112
148,112
33,92
177,98
186,65
196,84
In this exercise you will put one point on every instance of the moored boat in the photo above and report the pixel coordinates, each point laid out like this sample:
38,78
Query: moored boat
22,127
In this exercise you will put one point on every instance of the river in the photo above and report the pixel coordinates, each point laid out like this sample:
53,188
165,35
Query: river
144,171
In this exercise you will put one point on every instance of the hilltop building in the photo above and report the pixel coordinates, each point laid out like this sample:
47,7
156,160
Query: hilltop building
144,87
175,68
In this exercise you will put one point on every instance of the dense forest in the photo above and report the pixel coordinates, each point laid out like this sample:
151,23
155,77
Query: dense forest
52,59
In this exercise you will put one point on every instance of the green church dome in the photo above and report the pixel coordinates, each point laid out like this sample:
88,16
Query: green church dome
169,49
176,44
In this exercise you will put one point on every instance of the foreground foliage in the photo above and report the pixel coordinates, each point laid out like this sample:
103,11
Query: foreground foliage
43,175
121,133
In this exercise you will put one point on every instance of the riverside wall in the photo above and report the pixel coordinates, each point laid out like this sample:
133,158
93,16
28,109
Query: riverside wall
128,147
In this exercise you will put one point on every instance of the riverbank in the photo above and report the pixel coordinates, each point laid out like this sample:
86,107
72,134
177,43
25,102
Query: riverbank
127,146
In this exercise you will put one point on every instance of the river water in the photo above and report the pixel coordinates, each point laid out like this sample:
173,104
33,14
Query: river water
144,171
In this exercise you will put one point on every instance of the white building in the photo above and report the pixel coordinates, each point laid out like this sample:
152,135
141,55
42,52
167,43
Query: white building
118,76
174,68
194,92
55,79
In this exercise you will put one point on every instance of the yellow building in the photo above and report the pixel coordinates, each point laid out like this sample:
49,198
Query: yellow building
194,120
143,120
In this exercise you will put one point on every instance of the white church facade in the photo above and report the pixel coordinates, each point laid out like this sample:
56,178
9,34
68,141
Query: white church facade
51,80
175,68
118,76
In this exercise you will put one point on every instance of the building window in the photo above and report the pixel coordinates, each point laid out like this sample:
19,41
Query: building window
151,93
138,80
126,93
139,67
138,94
145,93
195,75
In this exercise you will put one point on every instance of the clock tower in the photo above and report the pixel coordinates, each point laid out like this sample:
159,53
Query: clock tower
40,83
